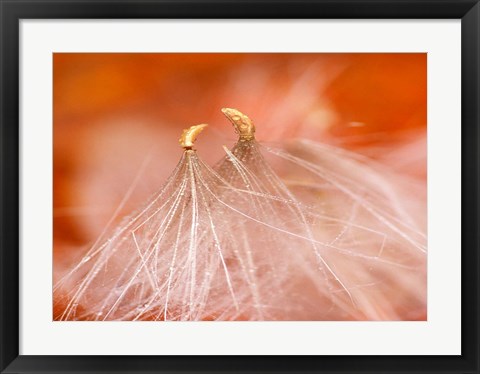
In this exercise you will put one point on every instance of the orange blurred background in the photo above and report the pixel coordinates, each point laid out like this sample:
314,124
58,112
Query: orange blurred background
119,116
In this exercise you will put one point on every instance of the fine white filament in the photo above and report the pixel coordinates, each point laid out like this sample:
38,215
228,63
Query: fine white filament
301,232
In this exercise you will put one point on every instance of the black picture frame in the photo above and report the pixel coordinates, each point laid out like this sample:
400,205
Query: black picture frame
12,11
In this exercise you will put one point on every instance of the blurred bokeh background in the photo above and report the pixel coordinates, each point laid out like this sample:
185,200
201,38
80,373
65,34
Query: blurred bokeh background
118,117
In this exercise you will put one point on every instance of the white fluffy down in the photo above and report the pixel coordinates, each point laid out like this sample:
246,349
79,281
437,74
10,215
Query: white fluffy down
301,232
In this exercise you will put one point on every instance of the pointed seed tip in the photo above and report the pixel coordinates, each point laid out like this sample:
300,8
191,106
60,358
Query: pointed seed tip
242,124
189,135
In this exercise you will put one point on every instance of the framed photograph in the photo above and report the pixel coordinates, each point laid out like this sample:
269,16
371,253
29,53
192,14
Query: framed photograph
270,186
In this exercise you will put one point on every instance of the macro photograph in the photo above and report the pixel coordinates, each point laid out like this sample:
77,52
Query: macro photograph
239,187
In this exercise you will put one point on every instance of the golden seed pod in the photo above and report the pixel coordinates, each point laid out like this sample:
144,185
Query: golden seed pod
243,125
189,135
